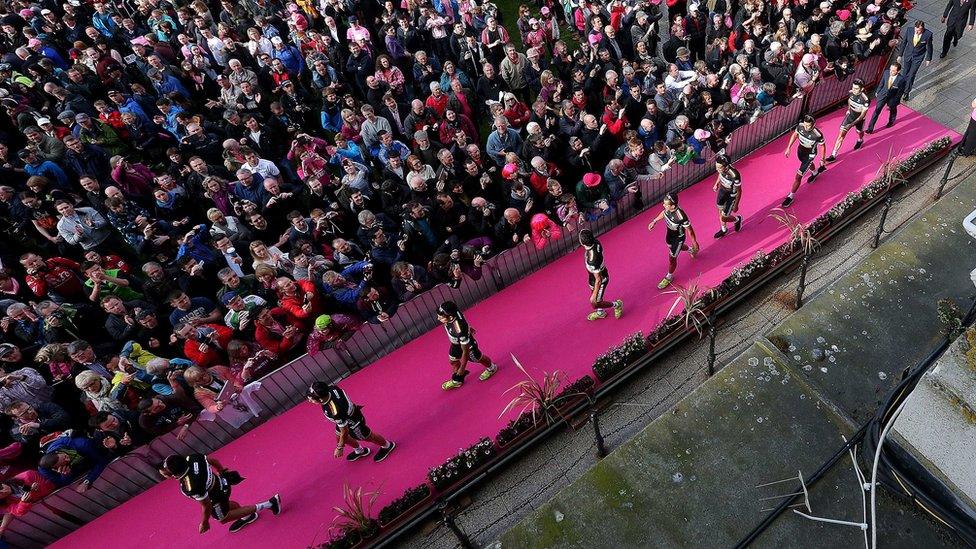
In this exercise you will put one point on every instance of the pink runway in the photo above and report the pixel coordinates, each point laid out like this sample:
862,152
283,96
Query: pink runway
541,319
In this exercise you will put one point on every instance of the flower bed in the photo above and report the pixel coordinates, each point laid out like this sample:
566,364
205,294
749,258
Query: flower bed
410,499
621,356
580,387
467,460
352,538
525,423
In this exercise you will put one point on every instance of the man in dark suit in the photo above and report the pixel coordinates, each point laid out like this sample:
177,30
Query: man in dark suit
888,94
955,17
396,113
915,48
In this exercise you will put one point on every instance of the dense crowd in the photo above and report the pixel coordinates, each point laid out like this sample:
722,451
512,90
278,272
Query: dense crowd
194,193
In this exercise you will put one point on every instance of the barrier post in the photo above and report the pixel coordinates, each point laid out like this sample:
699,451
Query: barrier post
448,519
877,233
803,278
945,176
711,346
601,446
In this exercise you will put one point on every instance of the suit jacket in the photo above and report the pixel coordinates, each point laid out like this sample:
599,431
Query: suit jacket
403,111
909,52
890,95
957,12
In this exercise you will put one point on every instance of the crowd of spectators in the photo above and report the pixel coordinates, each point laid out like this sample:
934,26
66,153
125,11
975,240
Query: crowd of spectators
195,192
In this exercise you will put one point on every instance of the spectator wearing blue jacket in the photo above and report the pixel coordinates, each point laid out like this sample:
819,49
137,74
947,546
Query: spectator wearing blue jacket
103,22
346,149
197,246
250,187
45,168
127,104
340,286
289,56
503,140
68,457
47,51
166,84
170,112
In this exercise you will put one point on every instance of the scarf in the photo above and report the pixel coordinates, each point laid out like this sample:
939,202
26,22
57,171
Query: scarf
169,202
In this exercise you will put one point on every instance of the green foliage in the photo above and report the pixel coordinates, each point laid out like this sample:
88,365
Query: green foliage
399,506
461,464
619,357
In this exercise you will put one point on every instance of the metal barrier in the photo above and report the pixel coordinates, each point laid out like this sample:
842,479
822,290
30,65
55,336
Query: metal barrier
66,509
776,122
832,92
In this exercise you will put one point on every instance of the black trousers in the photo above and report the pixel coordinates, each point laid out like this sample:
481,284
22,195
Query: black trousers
952,36
892,113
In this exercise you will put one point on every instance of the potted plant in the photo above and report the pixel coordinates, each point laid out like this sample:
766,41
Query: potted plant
573,392
800,237
411,499
354,523
537,400
467,460
515,430
620,357
691,298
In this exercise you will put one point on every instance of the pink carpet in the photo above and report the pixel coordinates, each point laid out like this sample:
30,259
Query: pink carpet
541,319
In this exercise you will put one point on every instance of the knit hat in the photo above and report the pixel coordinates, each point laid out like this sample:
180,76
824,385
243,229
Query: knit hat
322,322
592,179
509,171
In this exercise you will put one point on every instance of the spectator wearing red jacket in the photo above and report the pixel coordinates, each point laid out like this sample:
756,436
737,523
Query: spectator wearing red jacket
616,122
273,330
205,344
300,299
19,493
542,171
437,100
56,278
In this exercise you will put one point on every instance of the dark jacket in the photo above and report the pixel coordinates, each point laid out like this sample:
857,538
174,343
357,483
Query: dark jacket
890,96
912,53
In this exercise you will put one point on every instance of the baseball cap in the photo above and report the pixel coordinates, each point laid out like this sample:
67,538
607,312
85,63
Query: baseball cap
145,313
227,297
7,349
43,121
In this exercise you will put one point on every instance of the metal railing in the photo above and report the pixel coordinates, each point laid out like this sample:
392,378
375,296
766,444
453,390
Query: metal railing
66,509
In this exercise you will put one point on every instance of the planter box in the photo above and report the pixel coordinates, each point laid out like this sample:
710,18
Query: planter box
420,503
413,508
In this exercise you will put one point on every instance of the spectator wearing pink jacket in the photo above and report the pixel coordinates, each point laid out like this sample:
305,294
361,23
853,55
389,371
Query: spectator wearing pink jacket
133,179
544,230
